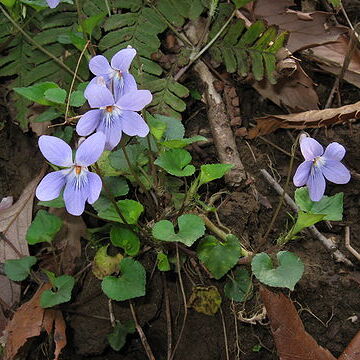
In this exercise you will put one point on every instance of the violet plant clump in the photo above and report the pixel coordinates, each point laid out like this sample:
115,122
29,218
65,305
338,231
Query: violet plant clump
80,184
320,165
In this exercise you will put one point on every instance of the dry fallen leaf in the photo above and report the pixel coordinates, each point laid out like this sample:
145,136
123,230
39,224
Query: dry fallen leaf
306,30
331,57
295,92
307,119
352,351
14,222
29,320
68,239
291,339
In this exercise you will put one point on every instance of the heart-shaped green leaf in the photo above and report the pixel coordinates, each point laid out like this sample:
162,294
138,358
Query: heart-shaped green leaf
330,206
117,338
55,95
176,162
287,274
239,287
219,257
210,172
43,228
162,262
125,239
19,269
180,143
64,285
129,285
191,228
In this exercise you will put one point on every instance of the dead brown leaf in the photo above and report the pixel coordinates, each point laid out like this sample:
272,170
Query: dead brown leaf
14,222
307,119
331,57
68,239
295,92
29,320
291,339
306,30
352,351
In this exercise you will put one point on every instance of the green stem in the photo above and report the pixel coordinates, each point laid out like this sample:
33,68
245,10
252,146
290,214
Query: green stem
32,41
108,7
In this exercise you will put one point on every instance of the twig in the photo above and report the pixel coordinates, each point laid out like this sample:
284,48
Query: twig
220,127
32,41
184,301
168,316
141,333
347,243
111,314
225,335
328,244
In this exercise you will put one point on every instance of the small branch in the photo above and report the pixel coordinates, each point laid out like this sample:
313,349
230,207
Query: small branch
327,243
168,316
347,243
141,333
225,335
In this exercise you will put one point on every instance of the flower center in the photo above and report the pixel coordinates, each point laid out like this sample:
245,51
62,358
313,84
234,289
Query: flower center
109,109
78,169
319,161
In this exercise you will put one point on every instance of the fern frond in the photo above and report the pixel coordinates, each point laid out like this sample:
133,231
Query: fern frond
244,50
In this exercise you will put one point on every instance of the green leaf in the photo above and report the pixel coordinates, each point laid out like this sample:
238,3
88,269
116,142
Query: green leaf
162,261
118,186
117,338
174,127
180,143
176,162
241,3
56,203
89,24
105,165
130,209
239,288
130,284
305,220
191,228
65,133
157,127
137,157
335,3
211,172
125,239
8,3
330,206
19,269
77,98
48,115
55,95
64,285
36,92
287,274
43,228
219,257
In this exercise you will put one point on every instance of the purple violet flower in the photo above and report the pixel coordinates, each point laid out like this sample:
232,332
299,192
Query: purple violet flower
80,184
320,165
116,76
53,3
114,117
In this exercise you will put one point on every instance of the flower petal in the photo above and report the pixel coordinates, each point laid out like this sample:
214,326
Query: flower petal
97,80
336,172
302,173
112,133
53,3
135,100
122,59
55,150
316,184
133,124
90,150
310,148
88,122
51,185
95,185
99,96
334,151
99,65
76,192
129,82
123,84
